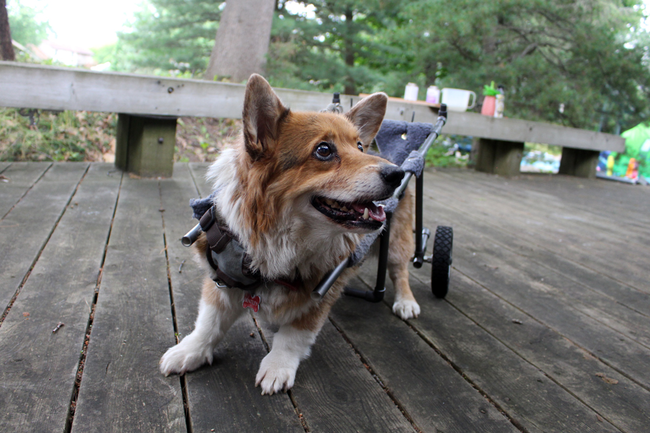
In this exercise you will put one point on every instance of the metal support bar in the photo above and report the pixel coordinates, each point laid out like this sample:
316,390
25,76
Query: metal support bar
328,280
420,241
377,295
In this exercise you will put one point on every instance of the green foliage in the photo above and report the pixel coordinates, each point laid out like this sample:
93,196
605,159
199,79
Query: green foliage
582,64
27,27
443,153
169,35
546,53
36,135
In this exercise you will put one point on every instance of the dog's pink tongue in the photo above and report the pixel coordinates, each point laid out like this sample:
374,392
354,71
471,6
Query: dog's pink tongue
375,212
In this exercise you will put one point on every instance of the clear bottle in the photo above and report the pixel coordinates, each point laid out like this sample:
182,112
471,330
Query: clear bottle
411,92
433,95
499,106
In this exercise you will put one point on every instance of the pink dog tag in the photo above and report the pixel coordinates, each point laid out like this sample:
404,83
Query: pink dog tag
251,301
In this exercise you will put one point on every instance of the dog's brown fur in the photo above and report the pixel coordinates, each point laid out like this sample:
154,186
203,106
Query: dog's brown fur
268,183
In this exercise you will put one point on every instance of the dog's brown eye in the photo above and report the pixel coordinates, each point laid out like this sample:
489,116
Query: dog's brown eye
360,146
323,150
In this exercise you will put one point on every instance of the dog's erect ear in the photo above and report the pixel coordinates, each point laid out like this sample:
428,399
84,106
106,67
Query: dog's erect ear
263,112
367,116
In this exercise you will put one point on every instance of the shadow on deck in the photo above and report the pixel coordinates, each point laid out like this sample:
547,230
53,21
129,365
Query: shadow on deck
546,326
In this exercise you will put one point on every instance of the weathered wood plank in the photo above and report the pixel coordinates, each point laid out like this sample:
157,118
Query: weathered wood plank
511,278
435,396
335,392
25,230
121,388
38,366
558,360
586,296
3,166
536,403
223,396
47,87
558,227
20,177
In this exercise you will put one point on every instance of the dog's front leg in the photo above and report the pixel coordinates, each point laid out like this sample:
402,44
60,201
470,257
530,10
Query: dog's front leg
278,369
217,313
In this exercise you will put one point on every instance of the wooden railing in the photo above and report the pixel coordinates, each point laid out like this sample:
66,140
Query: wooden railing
149,105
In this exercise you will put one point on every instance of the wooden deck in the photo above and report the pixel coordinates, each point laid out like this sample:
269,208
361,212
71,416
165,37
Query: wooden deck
546,326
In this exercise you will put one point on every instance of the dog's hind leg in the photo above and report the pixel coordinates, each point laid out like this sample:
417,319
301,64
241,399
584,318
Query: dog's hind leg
217,313
400,251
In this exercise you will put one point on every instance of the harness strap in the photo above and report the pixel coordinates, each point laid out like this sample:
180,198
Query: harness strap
219,238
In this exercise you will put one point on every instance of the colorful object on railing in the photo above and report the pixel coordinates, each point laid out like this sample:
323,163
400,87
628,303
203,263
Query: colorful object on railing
433,95
632,169
489,102
610,165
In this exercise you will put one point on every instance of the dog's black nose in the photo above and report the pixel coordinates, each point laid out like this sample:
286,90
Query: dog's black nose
392,175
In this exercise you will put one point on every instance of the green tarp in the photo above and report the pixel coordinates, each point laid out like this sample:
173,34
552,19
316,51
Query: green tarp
637,146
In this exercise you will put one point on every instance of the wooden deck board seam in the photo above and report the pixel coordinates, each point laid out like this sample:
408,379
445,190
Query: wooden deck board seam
377,378
47,239
514,350
91,317
557,253
599,358
458,370
577,281
29,189
182,378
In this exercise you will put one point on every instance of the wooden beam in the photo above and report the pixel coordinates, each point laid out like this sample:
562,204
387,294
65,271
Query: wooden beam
56,88
145,145
579,162
498,156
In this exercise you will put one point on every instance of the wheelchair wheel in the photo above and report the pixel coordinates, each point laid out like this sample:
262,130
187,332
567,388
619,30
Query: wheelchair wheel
441,261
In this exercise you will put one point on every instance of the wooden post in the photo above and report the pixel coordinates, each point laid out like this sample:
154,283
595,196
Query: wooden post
145,145
498,156
579,162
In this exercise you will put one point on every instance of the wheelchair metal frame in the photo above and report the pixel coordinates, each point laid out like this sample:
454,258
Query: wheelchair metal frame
421,238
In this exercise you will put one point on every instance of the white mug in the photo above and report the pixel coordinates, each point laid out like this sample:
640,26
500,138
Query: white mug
458,99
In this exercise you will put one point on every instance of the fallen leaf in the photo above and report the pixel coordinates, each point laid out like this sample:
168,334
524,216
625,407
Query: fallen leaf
608,380
25,314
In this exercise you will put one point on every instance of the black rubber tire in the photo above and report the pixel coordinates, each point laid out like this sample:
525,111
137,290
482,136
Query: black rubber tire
443,244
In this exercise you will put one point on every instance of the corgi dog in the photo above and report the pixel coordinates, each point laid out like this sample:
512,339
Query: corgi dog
297,193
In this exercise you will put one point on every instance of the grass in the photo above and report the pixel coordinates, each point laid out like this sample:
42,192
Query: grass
39,135
445,153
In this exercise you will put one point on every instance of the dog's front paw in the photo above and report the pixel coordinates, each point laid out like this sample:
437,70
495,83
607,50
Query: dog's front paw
186,356
406,309
276,374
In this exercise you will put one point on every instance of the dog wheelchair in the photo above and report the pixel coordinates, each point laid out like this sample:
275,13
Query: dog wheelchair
415,138
404,144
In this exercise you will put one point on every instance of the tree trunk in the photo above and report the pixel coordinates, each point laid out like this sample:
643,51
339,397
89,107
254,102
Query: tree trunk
242,40
350,54
6,49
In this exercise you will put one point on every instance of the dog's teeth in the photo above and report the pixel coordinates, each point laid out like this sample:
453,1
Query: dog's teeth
329,201
345,209
365,214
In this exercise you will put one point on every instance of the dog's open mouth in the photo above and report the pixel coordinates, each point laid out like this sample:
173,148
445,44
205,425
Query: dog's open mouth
365,215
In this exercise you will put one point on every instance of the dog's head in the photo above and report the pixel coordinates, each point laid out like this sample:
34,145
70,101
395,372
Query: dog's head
314,165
